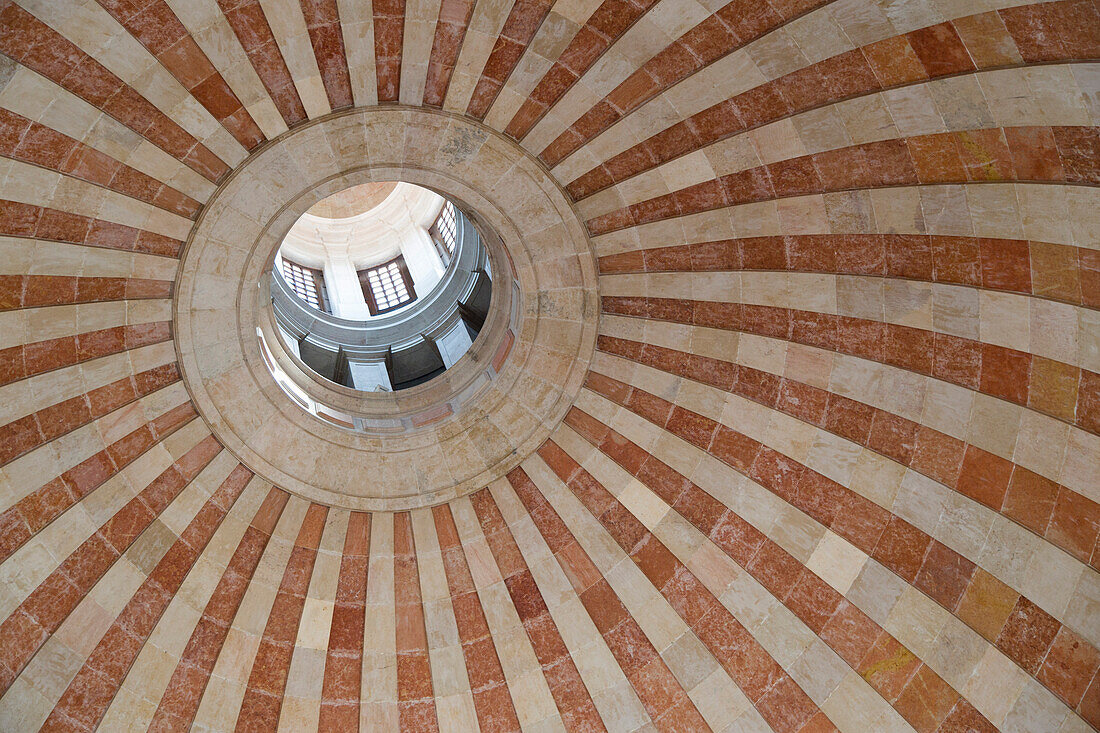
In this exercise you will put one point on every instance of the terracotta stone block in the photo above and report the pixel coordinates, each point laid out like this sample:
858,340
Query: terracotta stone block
940,50
1030,499
902,548
1028,633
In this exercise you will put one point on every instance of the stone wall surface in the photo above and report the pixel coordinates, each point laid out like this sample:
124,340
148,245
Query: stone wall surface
798,428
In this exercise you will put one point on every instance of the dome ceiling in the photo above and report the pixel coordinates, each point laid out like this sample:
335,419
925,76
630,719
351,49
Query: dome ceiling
353,201
798,428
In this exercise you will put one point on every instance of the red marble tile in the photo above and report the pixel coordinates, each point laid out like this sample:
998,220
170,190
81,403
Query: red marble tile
1027,635
926,700
944,575
858,520
984,477
940,50
1032,31
851,633
958,361
785,707
902,548
937,158
894,61
775,569
1075,524
1079,148
1034,153
1030,499
848,418
965,718
813,601
1069,666
737,538
1005,373
985,154
888,667
1088,401
938,455
624,262
748,186
1089,706
893,436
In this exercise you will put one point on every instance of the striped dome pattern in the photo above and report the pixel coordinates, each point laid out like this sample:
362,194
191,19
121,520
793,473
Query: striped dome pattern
836,462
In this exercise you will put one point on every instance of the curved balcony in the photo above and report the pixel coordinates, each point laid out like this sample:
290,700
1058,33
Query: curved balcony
400,349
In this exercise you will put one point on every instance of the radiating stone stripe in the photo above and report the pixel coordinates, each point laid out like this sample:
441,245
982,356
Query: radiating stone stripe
570,694
357,26
1035,211
731,27
989,680
35,45
1058,514
451,684
389,30
263,697
780,701
523,22
450,31
37,291
415,694
88,695
1016,625
304,689
1041,269
158,29
601,30
526,684
664,698
40,427
180,701
378,697
718,699
32,513
917,57
1033,567
895,672
39,222
991,154
249,24
1061,333
32,142
27,360
613,695
492,701
41,613
1051,387
344,659
323,23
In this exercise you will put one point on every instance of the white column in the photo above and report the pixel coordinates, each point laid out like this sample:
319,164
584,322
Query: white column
344,292
453,344
369,375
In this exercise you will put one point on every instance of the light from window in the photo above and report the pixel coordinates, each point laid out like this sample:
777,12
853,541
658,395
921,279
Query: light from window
307,283
444,232
387,286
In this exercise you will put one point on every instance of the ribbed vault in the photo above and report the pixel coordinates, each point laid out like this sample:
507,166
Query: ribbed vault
835,463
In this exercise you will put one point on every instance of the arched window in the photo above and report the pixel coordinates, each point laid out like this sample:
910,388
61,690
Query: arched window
444,232
387,286
307,283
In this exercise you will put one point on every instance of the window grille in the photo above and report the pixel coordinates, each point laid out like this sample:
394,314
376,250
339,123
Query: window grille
444,232
307,283
387,286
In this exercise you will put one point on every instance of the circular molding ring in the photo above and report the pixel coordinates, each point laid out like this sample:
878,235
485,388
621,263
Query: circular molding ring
468,429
